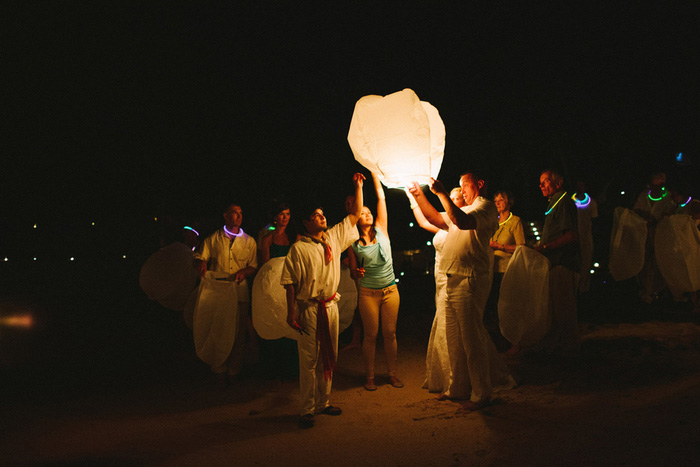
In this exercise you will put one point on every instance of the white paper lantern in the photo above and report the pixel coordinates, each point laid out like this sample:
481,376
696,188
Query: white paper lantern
627,240
269,302
523,303
398,137
677,245
215,319
169,276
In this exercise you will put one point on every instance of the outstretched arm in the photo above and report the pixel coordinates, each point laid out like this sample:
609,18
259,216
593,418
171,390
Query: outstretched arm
382,214
458,217
418,214
358,180
431,214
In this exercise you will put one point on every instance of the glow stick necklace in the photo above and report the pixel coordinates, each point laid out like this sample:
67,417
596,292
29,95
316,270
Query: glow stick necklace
663,190
560,198
584,203
231,234
187,227
509,216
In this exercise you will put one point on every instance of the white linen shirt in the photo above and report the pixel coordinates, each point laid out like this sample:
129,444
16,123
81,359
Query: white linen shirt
467,252
229,255
305,266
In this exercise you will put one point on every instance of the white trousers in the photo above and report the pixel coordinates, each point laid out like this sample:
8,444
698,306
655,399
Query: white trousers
467,338
315,390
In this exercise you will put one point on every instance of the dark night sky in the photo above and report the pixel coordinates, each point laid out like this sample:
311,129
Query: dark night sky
122,110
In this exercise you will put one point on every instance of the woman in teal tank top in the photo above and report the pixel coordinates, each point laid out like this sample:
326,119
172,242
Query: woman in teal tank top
378,300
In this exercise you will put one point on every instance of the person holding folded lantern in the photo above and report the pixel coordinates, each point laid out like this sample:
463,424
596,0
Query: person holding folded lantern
310,276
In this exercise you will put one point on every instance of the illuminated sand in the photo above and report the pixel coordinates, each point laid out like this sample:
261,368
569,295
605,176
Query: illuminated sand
633,398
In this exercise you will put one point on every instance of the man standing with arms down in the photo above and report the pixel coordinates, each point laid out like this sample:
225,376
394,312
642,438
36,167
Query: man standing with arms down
466,261
231,251
559,243
310,276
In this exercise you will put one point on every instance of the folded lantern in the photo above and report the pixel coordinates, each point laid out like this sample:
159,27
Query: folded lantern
398,137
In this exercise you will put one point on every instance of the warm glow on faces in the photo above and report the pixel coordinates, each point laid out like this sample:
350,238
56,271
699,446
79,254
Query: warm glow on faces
316,223
547,185
501,203
457,198
282,218
470,188
366,219
233,216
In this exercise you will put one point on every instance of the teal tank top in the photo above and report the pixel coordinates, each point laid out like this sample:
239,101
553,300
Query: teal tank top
376,259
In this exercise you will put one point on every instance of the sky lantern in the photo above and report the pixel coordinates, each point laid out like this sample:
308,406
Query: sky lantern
398,137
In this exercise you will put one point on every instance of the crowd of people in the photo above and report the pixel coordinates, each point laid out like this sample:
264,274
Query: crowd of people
475,239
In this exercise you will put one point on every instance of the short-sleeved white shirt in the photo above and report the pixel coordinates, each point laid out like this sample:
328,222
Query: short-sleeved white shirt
228,257
467,252
305,266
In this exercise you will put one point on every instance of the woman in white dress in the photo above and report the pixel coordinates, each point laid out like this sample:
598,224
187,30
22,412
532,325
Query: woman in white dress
437,359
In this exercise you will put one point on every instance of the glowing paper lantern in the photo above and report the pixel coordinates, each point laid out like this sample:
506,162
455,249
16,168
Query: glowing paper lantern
523,303
215,318
629,234
677,245
398,137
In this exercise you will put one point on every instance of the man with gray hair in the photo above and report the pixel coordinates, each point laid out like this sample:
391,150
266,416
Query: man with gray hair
559,243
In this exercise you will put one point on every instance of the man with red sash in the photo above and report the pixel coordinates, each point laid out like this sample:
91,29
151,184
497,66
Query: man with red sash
310,276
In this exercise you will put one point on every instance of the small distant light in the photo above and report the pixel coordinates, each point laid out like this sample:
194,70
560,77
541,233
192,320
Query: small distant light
679,157
410,224
402,273
532,223
535,231
124,256
622,192
7,259
92,223
537,237
427,272
596,265
592,271
72,258
428,243
605,282
155,219
396,280
35,226
35,258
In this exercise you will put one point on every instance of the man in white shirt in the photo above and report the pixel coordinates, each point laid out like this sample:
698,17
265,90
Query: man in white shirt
232,252
310,276
466,261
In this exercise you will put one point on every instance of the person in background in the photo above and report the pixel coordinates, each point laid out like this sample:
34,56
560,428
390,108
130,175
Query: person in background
378,298
559,243
280,354
587,210
509,235
231,251
653,204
